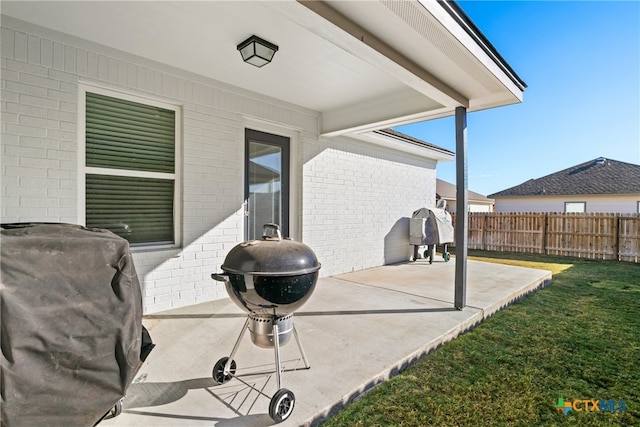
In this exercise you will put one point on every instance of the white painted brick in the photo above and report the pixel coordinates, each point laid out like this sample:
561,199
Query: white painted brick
68,106
64,175
33,49
92,64
7,40
122,73
22,171
38,101
11,75
69,59
156,307
132,75
7,95
81,62
9,202
38,122
68,126
20,46
28,214
113,70
27,141
32,199
162,299
58,56
65,135
68,164
61,96
9,118
46,52
66,116
24,192
168,282
31,110
26,67
24,151
103,67
63,76
26,89
24,130
34,162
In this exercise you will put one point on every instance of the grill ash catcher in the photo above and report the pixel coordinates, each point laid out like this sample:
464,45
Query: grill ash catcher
269,279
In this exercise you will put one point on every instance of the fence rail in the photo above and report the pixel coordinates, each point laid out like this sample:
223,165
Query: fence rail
590,235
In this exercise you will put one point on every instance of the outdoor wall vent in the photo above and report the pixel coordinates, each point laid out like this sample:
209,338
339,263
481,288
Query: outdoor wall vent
256,51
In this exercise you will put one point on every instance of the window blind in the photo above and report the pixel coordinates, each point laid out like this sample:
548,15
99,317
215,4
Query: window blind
127,136
122,134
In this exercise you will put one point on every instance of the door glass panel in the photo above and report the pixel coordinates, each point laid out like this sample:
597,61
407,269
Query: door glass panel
265,187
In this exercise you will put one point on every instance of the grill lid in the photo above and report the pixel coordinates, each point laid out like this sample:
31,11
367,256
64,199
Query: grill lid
271,256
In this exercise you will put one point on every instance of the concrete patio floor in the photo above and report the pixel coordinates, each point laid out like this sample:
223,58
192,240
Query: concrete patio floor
357,330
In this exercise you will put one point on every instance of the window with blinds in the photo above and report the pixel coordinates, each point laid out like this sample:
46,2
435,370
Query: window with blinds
130,172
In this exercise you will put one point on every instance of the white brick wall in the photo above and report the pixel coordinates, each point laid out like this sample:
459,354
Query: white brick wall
353,198
357,201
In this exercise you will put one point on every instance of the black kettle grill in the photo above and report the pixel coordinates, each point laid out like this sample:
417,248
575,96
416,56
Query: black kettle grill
270,279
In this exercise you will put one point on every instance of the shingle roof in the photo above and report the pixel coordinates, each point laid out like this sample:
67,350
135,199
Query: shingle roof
599,176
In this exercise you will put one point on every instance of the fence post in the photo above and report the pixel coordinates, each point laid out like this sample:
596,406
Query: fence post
617,241
544,233
484,228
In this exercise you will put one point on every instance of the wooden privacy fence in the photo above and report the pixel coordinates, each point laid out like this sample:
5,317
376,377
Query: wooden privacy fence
584,235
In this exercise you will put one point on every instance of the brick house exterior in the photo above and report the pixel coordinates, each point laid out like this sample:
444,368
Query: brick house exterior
351,190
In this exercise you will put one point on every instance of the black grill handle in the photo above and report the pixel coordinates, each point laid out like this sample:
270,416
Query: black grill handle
219,277
275,235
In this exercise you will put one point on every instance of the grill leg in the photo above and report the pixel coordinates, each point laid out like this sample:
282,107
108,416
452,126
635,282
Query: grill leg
227,366
304,356
276,347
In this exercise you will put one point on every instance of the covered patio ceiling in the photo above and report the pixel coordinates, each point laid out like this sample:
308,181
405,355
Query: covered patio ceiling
364,65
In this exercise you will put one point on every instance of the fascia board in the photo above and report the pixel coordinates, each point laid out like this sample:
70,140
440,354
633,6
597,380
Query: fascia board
391,143
472,47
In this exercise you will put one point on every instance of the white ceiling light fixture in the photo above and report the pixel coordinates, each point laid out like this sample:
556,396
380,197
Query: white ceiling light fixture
257,51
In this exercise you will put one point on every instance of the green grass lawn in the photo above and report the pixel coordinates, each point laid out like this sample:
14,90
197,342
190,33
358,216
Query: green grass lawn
577,339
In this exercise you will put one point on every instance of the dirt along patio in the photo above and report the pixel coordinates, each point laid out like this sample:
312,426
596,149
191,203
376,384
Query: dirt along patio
357,330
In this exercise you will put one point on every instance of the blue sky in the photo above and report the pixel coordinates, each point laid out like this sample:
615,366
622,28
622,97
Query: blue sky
581,63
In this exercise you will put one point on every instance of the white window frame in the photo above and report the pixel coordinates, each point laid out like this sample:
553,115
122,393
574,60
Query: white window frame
567,204
83,170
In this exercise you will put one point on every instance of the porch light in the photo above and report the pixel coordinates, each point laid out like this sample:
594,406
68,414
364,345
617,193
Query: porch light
256,51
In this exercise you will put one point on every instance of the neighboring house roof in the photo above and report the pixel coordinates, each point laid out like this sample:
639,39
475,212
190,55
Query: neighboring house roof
595,177
447,191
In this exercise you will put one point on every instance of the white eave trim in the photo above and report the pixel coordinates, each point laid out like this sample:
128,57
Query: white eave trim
423,151
442,11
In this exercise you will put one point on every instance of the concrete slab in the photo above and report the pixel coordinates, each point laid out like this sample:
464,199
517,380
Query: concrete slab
357,330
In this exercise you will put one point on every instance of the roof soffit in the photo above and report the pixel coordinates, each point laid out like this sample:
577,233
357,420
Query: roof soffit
392,74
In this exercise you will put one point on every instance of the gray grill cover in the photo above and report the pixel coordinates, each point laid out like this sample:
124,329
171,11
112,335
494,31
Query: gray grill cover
72,335
429,226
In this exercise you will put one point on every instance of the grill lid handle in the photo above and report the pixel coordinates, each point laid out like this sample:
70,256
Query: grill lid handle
275,233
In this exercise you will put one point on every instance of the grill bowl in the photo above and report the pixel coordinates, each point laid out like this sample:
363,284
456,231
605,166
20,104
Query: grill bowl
272,276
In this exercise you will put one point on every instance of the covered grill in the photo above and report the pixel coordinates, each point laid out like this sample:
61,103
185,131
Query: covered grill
269,279
72,333
431,227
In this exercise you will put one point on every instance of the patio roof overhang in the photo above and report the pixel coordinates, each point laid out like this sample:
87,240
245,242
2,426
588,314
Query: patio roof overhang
363,65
